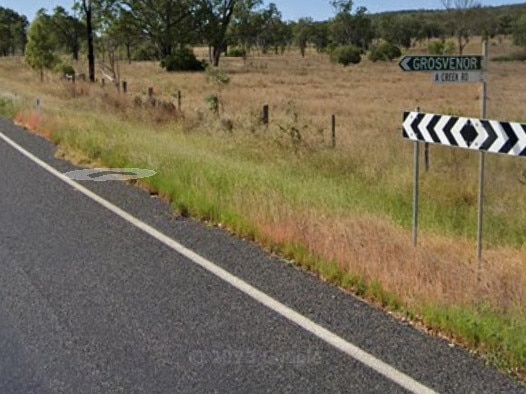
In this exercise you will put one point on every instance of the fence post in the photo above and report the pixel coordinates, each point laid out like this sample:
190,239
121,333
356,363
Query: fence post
150,92
38,108
179,100
333,129
124,87
266,114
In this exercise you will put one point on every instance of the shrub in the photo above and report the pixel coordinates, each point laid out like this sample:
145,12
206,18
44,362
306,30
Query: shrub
385,52
65,69
145,52
183,60
8,106
217,76
346,55
212,102
441,47
237,52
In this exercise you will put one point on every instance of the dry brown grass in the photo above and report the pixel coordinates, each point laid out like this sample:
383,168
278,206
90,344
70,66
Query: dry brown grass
438,271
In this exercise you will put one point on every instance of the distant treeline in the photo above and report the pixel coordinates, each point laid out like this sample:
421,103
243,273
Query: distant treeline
147,30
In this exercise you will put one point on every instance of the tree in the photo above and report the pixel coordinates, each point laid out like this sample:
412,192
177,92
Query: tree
13,28
87,8
431,28
320,35
461,21
399,29
519,32
98,15
40,48
302,32
245,28
166,23
351,29
213,18
505,24
121,31
67,31
272,32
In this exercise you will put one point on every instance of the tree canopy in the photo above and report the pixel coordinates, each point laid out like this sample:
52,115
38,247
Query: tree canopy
12,32
157,29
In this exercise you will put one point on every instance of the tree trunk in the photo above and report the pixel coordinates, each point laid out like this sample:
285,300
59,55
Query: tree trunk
128,52
76,54
217,55
91,48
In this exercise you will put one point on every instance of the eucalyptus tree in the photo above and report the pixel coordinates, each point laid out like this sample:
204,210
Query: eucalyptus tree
303,33
213,18
13,36
67,30
40,49
271,31
519,32
168,24
245,27
461,20
348,28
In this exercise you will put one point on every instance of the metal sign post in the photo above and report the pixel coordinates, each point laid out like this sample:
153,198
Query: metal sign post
416,190
482,162
475,134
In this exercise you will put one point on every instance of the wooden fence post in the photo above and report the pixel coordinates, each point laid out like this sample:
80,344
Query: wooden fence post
333,129
265,115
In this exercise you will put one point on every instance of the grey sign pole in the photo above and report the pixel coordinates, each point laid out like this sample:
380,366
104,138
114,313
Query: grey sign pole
416,190
482,159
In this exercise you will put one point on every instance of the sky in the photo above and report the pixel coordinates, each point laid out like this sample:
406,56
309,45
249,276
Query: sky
290,9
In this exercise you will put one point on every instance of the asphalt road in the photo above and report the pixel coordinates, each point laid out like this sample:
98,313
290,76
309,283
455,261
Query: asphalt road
91,303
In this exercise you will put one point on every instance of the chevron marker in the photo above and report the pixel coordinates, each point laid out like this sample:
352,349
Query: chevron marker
475,134
482,134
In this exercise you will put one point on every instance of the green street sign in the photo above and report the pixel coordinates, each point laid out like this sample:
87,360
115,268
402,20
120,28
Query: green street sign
441,63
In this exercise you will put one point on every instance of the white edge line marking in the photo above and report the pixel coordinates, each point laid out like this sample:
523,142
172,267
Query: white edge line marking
336,341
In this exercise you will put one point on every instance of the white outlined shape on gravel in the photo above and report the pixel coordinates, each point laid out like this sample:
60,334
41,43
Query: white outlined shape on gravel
109,174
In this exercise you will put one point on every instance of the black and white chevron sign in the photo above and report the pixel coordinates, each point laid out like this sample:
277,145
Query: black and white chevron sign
476,134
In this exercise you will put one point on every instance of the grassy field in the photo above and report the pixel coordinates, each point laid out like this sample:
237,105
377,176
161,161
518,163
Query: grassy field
344,213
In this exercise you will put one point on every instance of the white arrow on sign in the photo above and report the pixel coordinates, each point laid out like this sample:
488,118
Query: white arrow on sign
405,63
502,137
423,126
407,125
482,134
440,129
521,135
